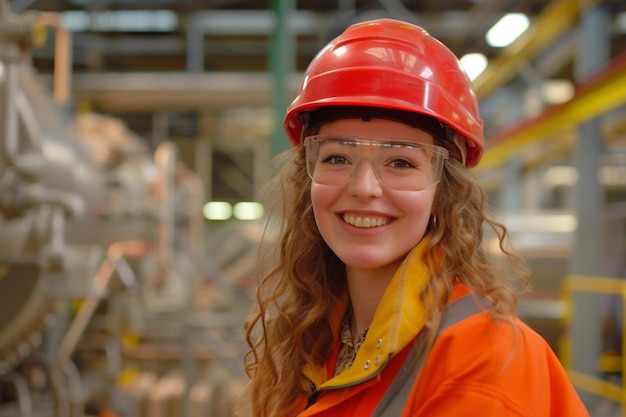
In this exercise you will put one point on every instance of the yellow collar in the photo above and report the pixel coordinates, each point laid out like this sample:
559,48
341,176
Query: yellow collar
398,319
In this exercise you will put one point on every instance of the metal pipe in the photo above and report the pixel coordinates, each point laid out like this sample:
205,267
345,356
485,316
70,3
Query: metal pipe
62,56
59,388
195,225
165,159
80,321
75,390
22,393
8,115
18,35
102,278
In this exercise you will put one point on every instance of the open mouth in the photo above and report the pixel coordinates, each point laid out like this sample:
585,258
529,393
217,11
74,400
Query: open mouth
365,222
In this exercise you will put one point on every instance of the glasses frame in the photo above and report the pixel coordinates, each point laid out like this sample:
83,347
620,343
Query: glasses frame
439,155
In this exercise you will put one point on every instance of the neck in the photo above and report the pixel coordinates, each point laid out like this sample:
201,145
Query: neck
366,290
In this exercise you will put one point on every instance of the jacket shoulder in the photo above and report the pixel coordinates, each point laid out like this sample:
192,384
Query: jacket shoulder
503,366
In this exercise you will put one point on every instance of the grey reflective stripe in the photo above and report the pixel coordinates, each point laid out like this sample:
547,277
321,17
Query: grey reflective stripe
395,398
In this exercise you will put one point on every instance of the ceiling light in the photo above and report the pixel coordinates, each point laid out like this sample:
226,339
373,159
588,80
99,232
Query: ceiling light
507,29
217,210
558,91
248,210
474,64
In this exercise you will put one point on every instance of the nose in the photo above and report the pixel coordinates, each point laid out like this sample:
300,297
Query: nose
365,182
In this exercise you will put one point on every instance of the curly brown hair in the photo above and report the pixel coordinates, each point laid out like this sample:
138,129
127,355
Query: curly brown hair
290,325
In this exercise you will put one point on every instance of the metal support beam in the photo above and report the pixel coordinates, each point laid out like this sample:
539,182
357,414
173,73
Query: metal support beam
141,91
246,22
282,63
589,203
511,198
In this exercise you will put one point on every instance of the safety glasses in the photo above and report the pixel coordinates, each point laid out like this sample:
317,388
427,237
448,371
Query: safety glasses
397,164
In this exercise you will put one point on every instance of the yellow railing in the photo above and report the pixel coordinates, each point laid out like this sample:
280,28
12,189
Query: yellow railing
590,383
600,95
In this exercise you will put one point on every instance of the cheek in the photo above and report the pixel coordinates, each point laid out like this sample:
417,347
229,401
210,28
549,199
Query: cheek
317,197
322,197
316,194
417,205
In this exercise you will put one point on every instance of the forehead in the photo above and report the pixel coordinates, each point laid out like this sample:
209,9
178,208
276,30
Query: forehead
379,129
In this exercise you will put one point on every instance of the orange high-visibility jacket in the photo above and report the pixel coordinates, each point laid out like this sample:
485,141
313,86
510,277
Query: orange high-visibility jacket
476,366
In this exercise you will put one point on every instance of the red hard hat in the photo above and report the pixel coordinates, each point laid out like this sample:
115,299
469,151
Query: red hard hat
390,64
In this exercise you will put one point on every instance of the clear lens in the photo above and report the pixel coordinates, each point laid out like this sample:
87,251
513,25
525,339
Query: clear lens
399,165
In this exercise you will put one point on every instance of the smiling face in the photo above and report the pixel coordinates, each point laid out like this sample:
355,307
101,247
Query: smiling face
371,226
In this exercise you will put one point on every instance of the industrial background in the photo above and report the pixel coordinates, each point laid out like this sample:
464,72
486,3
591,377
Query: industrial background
125,123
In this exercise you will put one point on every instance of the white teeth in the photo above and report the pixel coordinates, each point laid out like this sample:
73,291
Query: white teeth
364,221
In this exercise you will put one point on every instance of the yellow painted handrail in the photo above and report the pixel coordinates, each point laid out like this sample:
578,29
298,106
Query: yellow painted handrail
605,92
590,383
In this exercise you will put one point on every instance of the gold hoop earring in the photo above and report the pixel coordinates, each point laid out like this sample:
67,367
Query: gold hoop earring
433,222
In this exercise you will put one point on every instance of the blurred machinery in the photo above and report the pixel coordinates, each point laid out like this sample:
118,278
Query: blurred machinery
106,305
107,301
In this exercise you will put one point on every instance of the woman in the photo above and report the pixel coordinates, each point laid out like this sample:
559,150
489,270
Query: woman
382,300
